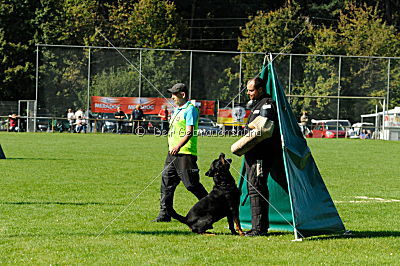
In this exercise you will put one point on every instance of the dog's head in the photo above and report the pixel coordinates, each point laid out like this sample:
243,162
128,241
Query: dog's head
219,170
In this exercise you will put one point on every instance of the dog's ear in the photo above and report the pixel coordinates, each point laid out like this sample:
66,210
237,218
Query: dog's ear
222,158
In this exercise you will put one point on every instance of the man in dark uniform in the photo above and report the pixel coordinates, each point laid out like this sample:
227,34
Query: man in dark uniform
262,159
120,115
137,118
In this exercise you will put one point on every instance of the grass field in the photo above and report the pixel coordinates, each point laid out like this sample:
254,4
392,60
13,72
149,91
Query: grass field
60,191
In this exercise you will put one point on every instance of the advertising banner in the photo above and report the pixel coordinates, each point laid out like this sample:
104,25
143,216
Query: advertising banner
392,120
149,105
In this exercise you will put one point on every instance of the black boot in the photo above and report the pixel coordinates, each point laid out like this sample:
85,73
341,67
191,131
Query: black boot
166,202
259,216
255,233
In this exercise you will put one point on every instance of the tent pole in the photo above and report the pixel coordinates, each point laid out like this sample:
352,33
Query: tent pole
296,236
290,76
265,59
284,159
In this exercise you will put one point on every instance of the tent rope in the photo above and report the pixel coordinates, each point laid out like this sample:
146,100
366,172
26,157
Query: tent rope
264,66
135,198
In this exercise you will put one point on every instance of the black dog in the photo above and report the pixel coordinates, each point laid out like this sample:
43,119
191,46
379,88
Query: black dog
222,201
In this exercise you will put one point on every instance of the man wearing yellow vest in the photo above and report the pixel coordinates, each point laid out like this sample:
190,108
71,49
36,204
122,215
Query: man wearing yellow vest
180,164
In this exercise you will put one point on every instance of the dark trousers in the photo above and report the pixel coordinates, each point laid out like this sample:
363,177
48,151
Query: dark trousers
178,168
164,126
136,128
119,126
257,177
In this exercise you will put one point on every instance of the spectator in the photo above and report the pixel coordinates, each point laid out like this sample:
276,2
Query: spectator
13,122
137,118
88,122
303,124
304,118
363,134
71,117
164,119
369,134
120,115
79,113
79,124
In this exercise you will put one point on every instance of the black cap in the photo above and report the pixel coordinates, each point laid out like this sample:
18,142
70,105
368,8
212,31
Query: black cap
178,87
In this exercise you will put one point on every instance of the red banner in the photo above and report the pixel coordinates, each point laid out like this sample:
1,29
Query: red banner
149,105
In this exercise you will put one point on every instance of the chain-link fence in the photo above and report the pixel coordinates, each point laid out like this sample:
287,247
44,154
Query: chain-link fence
328,87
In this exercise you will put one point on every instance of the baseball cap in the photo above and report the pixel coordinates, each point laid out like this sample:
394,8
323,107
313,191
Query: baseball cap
178,87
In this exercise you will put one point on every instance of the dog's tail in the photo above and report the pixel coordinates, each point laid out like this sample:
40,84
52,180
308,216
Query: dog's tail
177,216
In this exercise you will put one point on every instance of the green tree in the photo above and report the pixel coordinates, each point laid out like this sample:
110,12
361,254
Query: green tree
361,31
63,71
17,55
147,24
273,32
284,30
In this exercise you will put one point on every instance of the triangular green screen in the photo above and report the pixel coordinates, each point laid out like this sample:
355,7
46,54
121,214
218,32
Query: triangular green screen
305,207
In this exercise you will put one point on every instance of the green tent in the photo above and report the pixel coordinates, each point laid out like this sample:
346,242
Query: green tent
305,207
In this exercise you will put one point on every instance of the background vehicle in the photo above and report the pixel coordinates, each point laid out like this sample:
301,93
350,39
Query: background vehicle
307,133
328,129
105,124
152,123
43,124
357,128
207,127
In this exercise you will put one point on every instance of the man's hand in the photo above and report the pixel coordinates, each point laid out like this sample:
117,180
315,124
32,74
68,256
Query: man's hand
175,150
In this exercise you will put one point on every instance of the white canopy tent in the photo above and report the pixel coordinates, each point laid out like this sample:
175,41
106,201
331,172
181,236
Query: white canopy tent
390,121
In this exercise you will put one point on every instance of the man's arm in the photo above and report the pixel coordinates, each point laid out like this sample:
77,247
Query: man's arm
183,141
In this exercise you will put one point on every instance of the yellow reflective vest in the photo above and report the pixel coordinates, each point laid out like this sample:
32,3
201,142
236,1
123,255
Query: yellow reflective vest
177,130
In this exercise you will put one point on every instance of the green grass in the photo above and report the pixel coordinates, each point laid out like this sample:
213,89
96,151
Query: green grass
59,191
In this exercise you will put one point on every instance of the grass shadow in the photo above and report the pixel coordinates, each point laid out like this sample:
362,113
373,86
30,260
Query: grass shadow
61,234
58,203
360,234
177,232
40,159
155,233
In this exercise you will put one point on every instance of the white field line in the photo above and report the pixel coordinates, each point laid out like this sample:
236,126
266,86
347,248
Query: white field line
365,199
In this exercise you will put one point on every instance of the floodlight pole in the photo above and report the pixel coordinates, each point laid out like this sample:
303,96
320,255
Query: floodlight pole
140,76
388,83
37,87
240,75
338,101
88,86
190,74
